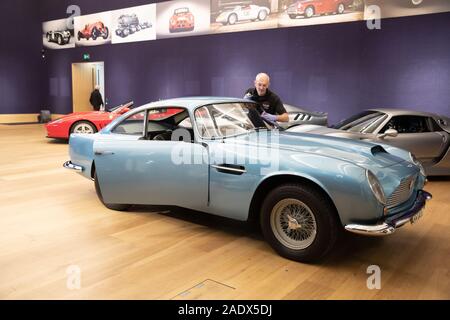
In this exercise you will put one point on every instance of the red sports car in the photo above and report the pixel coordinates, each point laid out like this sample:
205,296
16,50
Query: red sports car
94,31
182,20
91,122
309,8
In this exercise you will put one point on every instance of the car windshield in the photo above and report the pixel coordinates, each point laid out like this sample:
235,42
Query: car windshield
360,122
227,119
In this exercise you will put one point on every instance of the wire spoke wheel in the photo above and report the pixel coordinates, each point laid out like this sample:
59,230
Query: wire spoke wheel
293,224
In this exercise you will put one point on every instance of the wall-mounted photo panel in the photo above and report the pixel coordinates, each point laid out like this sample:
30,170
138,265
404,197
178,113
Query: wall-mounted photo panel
235,16
58,34
295,13
134,24
93,29
402,8
182,18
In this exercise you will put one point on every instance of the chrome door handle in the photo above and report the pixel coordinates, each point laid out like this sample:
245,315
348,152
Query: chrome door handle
104,153
231,169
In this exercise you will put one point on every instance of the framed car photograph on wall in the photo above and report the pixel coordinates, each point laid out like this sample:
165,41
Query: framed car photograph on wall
93,29
232,16
58,34
403,8
295,13
182,18
134,24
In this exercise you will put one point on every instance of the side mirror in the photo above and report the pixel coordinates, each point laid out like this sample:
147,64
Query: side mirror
388,133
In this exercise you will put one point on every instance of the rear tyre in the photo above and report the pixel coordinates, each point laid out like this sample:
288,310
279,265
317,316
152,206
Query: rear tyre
106,33
262,15
299,222
341,8
116,207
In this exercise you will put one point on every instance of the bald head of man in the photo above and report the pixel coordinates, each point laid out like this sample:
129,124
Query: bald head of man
262,83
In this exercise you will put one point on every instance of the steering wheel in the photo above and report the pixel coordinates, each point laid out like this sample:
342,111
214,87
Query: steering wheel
162,136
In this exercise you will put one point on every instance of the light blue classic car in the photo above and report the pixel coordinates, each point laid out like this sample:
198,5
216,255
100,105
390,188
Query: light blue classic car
216,155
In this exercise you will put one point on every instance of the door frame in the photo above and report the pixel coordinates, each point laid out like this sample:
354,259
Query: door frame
94,79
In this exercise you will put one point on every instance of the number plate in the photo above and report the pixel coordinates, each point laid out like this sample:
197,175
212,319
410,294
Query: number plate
417,217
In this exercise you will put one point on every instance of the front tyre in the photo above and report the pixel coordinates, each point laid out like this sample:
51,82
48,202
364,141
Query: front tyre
232,19
309,12
106,33
94,34
116,207
299,222
83,127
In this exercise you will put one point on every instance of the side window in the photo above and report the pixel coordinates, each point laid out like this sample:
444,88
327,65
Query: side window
162,122
133,125
186,124
434,127
205,123
408,124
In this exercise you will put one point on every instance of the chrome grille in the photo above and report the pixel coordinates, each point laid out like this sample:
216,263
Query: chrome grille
402,193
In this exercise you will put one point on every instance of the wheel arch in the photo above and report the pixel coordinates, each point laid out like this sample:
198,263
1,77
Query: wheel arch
311,6
272,182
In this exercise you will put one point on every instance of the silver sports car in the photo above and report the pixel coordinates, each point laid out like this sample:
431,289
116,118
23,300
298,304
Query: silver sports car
299,116
425,135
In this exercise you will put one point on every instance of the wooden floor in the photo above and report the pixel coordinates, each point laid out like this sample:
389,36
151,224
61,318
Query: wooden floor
53,226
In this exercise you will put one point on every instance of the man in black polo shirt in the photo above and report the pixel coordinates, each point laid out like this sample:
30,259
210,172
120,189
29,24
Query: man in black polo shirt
274,110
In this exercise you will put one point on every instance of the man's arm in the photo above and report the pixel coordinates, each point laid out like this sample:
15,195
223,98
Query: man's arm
283,116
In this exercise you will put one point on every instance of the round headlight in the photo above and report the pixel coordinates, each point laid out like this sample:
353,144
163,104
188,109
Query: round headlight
375,186
417,163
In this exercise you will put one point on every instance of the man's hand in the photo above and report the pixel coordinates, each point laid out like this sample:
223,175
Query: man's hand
248,96
269,117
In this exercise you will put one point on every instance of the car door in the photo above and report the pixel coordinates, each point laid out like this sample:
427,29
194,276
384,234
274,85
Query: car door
232,180
417,135
132,169
320,6
251,12
232,176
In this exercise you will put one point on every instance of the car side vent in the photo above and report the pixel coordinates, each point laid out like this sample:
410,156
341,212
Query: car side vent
378,149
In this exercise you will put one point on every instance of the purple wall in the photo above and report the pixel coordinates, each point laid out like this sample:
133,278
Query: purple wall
407,64
338,68
22,69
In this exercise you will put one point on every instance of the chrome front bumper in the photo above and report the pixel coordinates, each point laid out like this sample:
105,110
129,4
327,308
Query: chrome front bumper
69,165
390,225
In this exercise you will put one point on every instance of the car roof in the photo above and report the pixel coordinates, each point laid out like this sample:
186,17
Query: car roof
192,103
404,112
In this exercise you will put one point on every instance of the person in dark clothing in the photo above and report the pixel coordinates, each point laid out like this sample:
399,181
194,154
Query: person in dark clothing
96,99
273,108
